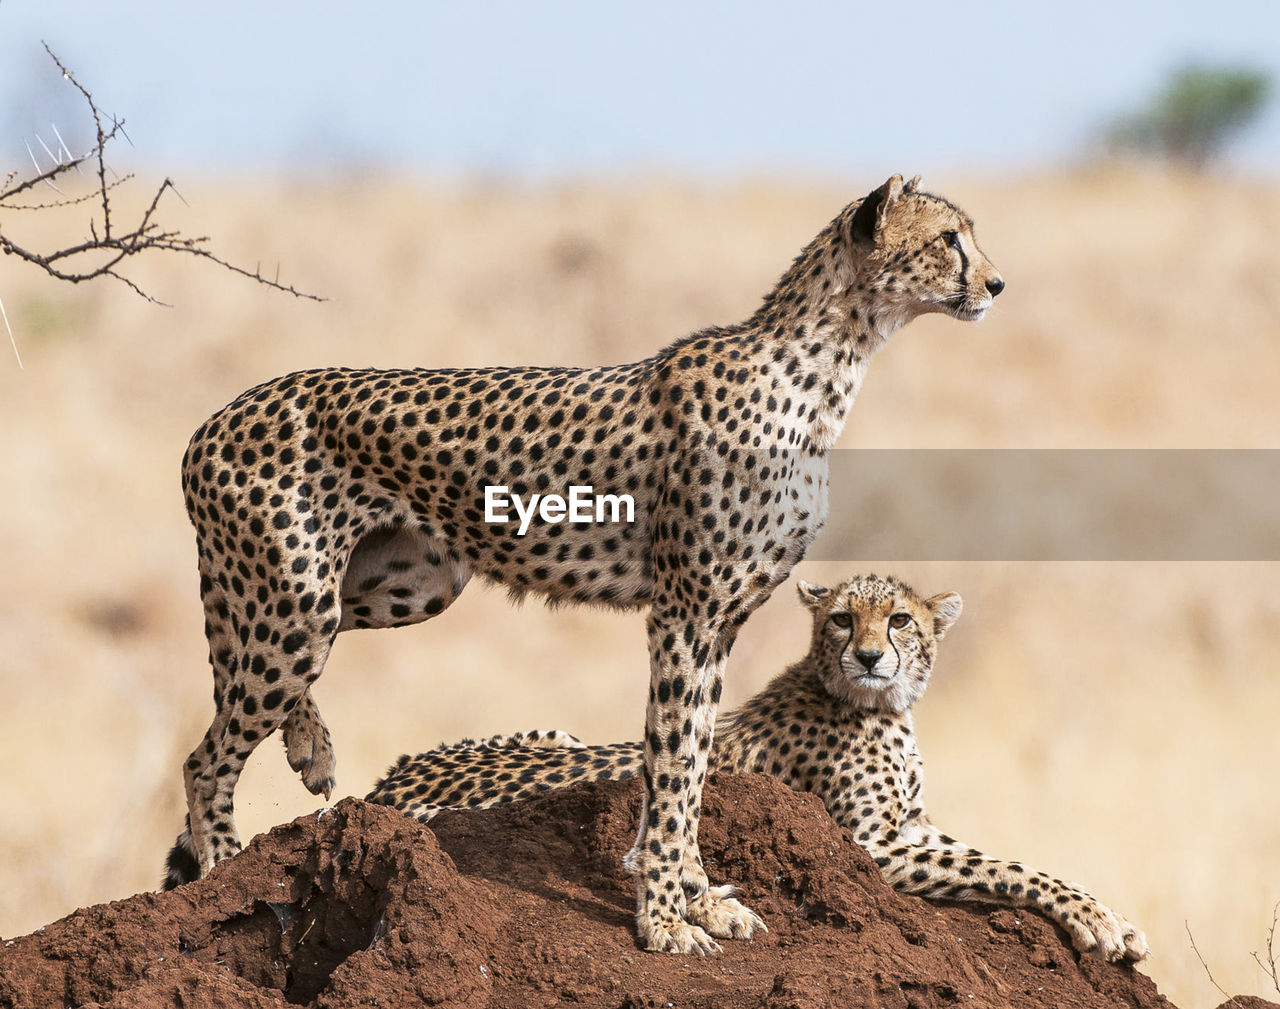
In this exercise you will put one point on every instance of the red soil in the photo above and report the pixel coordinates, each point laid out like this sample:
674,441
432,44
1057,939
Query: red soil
528,906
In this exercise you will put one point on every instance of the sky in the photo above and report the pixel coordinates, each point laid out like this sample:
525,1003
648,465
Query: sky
548,89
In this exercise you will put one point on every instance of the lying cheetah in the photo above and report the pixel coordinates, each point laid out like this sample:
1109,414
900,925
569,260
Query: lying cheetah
326,500
838,724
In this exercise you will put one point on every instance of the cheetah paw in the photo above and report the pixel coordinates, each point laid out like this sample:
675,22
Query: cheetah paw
1135,944
1103,932
314,761
717,911
677,936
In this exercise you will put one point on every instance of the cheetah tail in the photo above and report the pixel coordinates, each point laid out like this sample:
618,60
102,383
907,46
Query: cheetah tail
182,865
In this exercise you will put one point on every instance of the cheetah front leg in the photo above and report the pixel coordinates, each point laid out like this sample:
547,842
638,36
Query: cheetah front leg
676,910
713,908
924,861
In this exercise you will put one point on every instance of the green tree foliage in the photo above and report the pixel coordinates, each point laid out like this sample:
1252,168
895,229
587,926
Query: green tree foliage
1194,115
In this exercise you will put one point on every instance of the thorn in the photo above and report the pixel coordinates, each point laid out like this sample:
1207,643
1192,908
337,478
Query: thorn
47,182
12,340
63,148
55,158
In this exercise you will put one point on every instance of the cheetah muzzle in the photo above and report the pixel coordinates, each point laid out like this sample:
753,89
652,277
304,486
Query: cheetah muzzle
333,499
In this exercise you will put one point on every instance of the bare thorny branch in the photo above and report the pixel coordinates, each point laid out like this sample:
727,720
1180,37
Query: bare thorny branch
1207,971
109,244
1268,964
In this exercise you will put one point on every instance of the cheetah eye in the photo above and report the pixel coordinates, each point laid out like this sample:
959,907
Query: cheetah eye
842,619
899,620
952,239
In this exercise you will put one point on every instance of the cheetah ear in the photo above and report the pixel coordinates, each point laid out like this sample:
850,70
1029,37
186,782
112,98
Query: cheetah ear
946,611
912,186
811,595
869,216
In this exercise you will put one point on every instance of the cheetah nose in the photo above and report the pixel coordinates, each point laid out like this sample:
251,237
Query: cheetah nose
995,285
868,659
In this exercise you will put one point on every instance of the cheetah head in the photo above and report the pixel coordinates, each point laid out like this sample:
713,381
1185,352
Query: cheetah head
874,639
918,256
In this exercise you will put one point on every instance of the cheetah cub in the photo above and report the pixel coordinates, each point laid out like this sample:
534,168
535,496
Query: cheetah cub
838,724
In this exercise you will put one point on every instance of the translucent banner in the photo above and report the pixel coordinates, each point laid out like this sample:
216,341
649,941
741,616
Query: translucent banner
1046,505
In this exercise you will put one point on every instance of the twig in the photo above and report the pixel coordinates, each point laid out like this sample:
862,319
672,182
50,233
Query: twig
100,148
70,201
1270,965
1230,998
108,243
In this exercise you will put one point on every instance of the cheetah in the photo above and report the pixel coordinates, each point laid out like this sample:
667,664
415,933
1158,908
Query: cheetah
836,723
332,499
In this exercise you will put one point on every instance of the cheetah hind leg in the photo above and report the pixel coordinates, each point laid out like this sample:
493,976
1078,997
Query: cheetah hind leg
308,746
183,863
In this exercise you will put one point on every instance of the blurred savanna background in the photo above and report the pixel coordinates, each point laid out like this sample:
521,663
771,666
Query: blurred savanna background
570,188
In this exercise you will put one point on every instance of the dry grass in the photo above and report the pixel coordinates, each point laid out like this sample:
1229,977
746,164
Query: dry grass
1125,714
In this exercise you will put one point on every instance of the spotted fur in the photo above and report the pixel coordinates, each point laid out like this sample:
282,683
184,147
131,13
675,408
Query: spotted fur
326,500
838,724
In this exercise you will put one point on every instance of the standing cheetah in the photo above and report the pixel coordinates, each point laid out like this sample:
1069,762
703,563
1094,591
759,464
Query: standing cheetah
326,500
838,724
